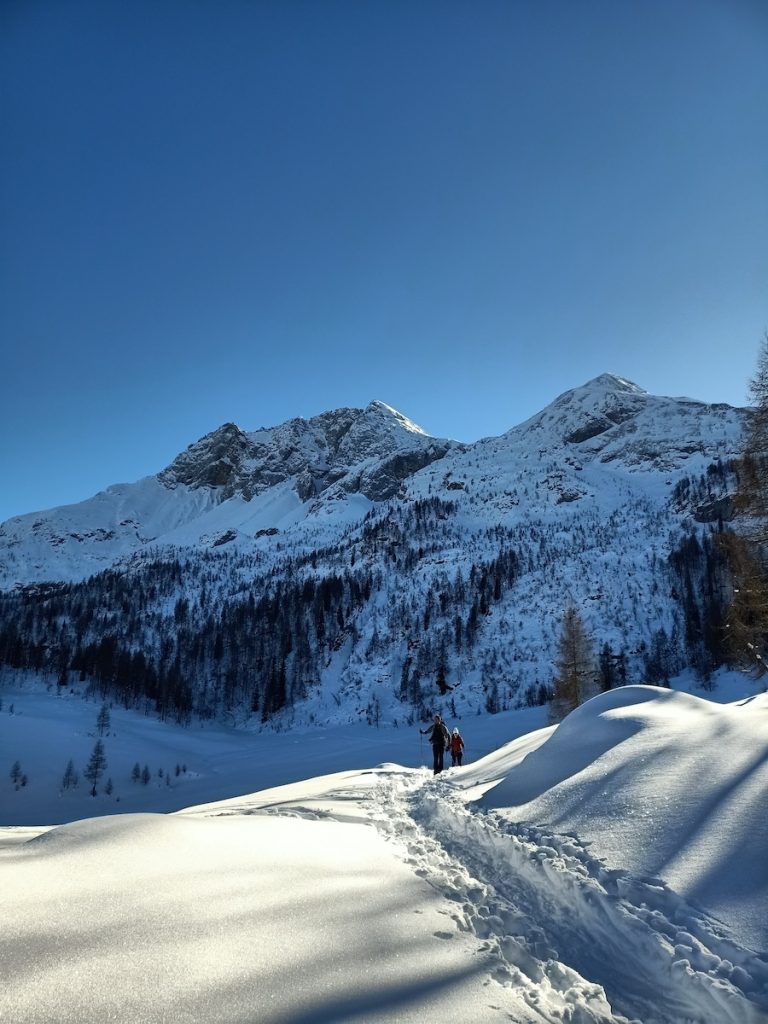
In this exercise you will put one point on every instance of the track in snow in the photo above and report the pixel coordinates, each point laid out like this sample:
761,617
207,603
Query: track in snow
579,942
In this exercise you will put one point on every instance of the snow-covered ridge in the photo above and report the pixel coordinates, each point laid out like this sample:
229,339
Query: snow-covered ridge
230,483
317,452
234,485
613,419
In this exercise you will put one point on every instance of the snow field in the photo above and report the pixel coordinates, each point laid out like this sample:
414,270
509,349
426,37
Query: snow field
147,918
383,894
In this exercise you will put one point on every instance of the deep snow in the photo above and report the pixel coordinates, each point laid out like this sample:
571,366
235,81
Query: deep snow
382,894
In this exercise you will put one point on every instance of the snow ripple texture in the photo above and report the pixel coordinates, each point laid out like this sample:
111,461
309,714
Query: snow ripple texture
578,942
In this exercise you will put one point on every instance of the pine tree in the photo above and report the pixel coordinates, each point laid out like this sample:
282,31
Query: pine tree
575,673
136,773
96,765
15,772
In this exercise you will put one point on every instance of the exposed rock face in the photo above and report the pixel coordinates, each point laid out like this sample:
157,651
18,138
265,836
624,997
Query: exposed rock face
213,461
384,480
370,451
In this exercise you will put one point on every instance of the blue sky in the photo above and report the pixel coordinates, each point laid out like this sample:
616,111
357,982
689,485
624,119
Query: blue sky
254,210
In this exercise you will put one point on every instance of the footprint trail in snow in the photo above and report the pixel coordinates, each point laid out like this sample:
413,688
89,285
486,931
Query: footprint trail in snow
577,941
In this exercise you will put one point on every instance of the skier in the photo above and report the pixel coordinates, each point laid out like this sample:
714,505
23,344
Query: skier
440,739
457,748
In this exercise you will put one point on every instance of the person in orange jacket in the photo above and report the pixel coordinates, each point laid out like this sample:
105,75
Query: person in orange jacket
456,748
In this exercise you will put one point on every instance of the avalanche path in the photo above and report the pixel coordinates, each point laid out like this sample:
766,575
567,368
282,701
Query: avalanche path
577,941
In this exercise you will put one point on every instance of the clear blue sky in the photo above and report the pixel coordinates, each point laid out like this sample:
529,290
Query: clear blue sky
243,210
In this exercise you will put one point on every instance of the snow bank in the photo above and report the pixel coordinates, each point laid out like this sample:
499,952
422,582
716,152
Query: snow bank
660,783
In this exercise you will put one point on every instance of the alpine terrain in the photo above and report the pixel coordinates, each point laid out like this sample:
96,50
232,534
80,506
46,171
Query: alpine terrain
217,804
351,567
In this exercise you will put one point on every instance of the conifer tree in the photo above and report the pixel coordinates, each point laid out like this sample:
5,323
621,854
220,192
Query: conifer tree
69,779
96,765
575,671
103,720
747,549
607,669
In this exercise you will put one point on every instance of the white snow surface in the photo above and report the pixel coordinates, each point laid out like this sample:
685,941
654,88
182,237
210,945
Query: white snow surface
535,884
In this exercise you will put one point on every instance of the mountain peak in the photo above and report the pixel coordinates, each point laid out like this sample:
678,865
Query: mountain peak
382,409
609,381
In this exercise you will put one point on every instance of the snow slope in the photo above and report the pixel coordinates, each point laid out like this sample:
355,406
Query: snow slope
661,783
383,894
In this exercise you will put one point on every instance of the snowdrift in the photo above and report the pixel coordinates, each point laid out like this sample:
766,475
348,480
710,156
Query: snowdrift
660,783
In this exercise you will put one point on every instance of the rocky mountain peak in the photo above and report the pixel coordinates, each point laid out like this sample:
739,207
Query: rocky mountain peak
370,450
391,418
213,461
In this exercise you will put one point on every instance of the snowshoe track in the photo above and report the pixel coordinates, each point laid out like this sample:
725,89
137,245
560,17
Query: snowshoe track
577,941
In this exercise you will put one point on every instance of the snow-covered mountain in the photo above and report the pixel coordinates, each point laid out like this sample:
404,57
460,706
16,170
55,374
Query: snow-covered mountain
232,485
350,566
229,484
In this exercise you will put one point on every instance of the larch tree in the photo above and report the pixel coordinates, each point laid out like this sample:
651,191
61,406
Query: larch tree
574,667
747,547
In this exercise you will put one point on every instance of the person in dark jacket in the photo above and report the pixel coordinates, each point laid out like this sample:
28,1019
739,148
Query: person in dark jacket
439,737
457,748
